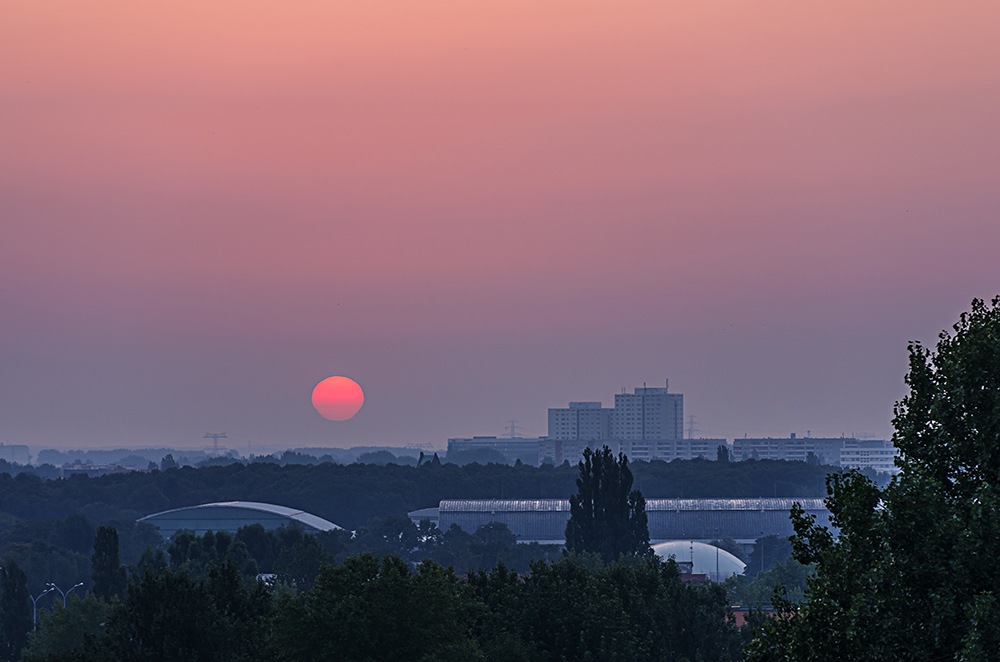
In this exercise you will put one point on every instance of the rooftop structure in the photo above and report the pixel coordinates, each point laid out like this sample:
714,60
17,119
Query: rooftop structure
231,515
703,559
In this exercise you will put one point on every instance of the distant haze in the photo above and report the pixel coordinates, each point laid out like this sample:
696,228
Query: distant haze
481,210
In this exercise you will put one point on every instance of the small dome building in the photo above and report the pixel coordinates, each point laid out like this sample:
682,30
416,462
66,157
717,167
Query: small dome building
718,564
229,516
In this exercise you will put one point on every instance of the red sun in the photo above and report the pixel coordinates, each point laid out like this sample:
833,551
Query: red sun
338,398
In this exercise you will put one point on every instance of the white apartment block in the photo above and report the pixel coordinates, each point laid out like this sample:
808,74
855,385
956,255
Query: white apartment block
825,450
671,449
863,454
847,453
587,421
647,424
648,414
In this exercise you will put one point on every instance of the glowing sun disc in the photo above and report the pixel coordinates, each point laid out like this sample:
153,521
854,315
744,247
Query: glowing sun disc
337,398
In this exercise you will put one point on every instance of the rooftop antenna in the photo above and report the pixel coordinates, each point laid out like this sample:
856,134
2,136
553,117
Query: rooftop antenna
512,427
215,436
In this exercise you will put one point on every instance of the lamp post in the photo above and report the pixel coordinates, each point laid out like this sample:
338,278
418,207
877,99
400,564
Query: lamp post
762,551
64,594
34,608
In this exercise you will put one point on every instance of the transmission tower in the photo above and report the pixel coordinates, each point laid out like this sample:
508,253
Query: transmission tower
215,436
691,426
512,427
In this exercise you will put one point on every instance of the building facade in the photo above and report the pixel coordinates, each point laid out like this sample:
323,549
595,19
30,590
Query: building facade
523,448
647,424
15,453
581,421
544,520
869,454
844,452
648,414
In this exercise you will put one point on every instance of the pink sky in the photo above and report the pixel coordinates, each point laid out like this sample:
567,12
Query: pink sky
482,210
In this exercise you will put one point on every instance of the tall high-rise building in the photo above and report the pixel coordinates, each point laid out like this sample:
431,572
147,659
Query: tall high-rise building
647,424
581,421
648,414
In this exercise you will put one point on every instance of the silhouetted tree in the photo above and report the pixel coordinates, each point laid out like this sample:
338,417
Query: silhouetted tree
912,574
722,453
607,516
15,609
365,609
62,629
107,571
171,616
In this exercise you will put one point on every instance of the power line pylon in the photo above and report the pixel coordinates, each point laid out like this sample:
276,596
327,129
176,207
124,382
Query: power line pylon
512,427
215,436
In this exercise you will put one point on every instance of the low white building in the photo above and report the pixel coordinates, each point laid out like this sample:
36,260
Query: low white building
863,454
843,452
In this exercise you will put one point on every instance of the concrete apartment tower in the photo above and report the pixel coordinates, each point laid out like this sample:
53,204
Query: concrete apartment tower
649,423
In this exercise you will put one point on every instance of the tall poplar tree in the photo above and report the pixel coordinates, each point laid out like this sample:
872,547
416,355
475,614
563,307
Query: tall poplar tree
106,566
607,516
15,609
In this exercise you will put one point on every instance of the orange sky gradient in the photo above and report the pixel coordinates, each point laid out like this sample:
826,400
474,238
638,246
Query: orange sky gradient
481,210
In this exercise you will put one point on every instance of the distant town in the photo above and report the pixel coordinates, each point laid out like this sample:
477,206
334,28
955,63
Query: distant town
646,425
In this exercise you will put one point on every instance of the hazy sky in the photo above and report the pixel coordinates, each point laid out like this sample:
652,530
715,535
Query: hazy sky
482,210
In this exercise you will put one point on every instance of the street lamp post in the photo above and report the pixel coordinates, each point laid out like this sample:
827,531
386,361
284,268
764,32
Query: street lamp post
34,607
64,594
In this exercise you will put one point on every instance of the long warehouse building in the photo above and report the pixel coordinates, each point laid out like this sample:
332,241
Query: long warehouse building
544,520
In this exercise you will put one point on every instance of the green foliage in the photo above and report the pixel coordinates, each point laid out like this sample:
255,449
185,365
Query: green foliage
607,516
730,545
171,616
50,551
385,609
789,579
299,564
63,629
195,555
913,574
383,457
624,611
15,609
366,610
767,552
481,456
352,495
492,542
108,573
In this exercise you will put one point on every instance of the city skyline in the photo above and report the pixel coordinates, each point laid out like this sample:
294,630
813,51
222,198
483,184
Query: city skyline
481,212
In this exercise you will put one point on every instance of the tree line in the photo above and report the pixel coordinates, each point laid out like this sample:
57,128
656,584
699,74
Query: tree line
352,495
349,597
371,608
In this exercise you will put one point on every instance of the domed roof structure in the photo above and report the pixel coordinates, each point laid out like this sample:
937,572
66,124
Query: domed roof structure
231,515
717,564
